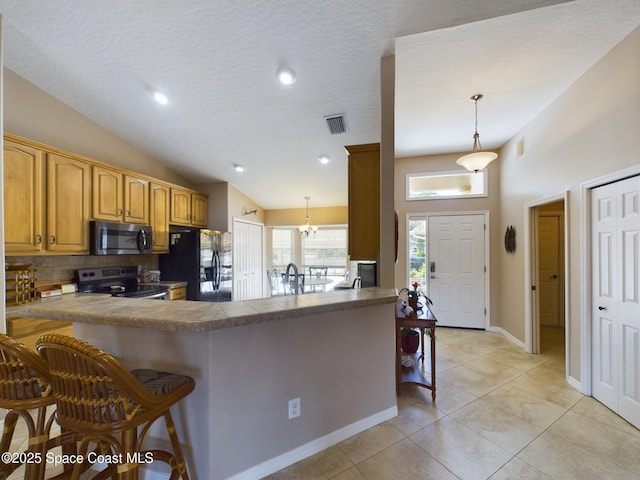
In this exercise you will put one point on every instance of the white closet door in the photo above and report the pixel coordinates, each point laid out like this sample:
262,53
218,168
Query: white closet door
615,226
247,260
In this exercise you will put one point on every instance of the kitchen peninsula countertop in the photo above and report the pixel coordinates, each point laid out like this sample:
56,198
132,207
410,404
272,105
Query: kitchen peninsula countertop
189,316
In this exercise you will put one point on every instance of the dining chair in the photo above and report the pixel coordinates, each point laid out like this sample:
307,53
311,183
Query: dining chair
272,277
318,274
106,404
26,393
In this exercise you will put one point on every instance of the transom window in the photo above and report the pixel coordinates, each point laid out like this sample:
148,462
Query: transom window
430,186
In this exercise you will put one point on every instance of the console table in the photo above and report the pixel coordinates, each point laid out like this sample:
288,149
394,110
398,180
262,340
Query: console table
424,320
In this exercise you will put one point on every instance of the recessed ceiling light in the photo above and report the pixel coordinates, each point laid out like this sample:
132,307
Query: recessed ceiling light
286,76
324,159
238,168
160,97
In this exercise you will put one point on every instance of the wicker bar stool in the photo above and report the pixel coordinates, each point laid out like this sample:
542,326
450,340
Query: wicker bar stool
106,403
26,393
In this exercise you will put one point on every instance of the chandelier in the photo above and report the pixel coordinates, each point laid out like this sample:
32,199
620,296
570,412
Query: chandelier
476,160
307,230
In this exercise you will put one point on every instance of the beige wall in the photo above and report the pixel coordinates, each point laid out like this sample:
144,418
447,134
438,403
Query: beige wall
491,204
36,115
293,217
588,132
239,202
386,257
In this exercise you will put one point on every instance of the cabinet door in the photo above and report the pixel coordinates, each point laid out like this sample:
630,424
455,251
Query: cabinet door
136,200
199,210
364,201
107,195
68,184
159,217
180,206
179,293
23,199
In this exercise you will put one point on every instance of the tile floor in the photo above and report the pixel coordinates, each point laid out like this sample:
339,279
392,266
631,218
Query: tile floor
500,413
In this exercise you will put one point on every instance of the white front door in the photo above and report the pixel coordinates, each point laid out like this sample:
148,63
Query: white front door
456,269
615,226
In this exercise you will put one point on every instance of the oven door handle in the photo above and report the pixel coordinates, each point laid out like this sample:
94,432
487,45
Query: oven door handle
157,295
142,241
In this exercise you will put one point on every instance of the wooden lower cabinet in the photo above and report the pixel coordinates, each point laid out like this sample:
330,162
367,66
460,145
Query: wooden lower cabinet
27,330
178,293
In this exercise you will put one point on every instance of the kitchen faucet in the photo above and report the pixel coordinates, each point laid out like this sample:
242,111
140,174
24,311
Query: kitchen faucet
295,280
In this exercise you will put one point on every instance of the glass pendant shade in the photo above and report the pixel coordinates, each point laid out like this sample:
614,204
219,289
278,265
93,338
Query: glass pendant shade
476,160
307,230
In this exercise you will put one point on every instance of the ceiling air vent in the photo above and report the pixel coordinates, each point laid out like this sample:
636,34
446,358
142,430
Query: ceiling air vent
337,124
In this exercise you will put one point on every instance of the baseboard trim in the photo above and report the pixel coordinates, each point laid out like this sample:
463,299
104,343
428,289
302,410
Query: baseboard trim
300,453
577,384
507,334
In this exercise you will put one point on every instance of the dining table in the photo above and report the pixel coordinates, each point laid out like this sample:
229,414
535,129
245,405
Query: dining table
306,282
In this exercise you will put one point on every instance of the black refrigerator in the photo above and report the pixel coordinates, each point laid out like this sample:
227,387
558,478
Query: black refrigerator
202,258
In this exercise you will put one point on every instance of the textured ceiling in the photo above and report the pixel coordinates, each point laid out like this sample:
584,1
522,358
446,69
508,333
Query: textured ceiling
216,61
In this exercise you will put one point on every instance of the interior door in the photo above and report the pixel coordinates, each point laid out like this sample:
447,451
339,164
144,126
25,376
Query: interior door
615,227
549,270
247,260
456,269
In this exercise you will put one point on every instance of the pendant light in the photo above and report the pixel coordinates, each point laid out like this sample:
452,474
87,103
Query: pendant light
307,230
476,160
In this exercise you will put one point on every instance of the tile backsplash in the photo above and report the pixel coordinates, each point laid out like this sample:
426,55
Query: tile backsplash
63,267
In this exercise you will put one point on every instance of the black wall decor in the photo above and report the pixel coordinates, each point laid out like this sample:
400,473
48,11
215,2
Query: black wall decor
510,239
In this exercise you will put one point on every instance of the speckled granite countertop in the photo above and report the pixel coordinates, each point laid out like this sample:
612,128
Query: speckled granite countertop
187,316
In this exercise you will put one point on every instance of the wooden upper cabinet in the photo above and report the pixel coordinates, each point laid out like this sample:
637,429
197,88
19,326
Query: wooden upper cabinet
180,206
23,199
136,200
364,201
188,208
119,197
68,187
199,210
159,216
50,196
108,194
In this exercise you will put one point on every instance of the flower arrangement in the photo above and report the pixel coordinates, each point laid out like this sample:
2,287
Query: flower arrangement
411,297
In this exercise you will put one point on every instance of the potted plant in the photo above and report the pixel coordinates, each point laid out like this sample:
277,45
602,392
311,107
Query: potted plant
409,339
411,297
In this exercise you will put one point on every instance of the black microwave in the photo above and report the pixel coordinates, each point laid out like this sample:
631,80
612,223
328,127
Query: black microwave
108,238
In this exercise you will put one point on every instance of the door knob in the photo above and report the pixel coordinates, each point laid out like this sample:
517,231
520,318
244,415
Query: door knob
602,308
554,277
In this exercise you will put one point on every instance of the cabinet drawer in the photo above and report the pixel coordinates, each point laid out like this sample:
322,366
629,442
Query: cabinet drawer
179,293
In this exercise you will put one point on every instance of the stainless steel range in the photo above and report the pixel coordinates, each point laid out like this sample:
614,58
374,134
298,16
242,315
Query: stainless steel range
118,281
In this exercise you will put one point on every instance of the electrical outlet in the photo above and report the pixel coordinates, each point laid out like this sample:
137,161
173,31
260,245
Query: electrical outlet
294,408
